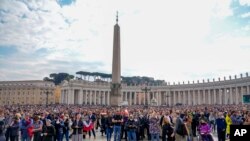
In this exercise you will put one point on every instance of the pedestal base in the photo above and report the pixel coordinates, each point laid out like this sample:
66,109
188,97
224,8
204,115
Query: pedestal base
115,97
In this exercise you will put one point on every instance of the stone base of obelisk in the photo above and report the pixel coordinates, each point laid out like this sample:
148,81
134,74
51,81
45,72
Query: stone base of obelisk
115,97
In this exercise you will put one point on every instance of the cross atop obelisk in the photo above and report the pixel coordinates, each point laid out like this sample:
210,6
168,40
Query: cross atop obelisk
115,98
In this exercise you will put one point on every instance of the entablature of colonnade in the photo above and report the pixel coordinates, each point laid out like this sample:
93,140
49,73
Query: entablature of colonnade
204,85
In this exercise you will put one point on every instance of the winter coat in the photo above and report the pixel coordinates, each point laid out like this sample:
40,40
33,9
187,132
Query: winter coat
228,122
51,132
154,126
204,128
221,124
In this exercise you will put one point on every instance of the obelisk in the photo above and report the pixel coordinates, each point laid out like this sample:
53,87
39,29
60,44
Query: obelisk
115,97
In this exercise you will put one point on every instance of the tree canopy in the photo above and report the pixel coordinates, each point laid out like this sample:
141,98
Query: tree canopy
57,78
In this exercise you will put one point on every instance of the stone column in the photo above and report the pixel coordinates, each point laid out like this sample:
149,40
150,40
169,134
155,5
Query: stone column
148,98
139,98
230,95
104,97
225,96
62,96
144,98
160,98
179,96
130,98
134,98
72,96
99,97
248,89
108,98
80,96
184,98
91,97
241,94
174,96
187,97
85,97
204,96
94,97
126,97
209,96
194,97
237,95
199,97
215,96
157,97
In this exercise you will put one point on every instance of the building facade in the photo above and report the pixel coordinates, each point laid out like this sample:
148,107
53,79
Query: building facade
226,91
26,92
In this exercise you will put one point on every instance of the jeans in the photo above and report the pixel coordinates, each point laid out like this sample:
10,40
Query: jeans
109,132
66,134
59,136
155,137
93,131
117,133
131,135
25,139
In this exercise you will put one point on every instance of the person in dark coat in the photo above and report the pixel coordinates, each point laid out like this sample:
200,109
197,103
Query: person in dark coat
108,126
221,127
49,131
167,130
2,126
14,128
66,127
59,125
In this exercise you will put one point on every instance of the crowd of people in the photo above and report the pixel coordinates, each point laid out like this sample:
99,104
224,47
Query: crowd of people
133,123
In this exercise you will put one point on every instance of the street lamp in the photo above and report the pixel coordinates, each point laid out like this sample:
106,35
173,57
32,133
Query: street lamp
146,90
167,96
47,96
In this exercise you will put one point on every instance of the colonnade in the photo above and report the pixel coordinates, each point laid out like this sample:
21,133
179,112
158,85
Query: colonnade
85,97
165,95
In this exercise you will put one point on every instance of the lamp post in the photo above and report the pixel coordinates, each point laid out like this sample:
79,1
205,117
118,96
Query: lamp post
47,96
146,90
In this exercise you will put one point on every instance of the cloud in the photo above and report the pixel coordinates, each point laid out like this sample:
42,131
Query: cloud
171,40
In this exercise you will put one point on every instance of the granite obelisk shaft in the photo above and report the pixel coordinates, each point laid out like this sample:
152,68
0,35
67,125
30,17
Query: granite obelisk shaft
115,98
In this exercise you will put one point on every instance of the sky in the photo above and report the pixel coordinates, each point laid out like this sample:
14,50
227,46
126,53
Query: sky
174,41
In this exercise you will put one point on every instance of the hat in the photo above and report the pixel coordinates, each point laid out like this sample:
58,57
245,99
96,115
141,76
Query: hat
48,120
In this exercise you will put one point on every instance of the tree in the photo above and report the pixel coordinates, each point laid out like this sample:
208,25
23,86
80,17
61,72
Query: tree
57,78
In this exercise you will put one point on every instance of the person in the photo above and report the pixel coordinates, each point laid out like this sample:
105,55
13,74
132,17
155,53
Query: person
195,123
2,126
188,124
131,127
59,125
212,121
123,129
77,127
26,127
48,131
108,126
247,121
37,128
93,118
236,118
167,130
221,127
14,128
180,130
102,123
117,121
154,128
205,130
228,122
66,127
88,126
